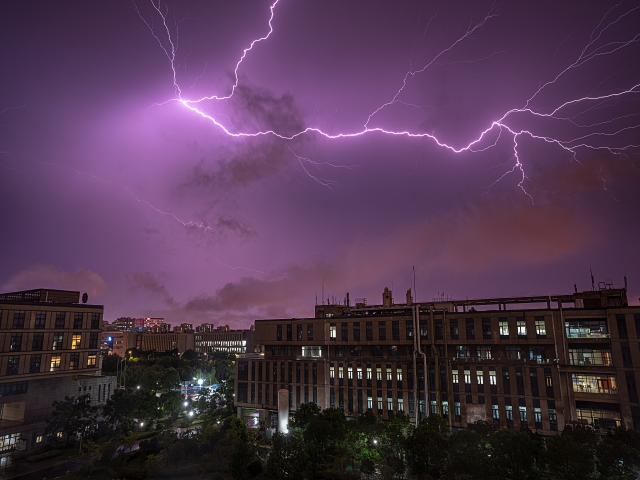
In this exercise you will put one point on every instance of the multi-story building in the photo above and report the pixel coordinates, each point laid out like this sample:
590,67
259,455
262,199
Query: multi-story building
205,328
224,339
49,349
541,362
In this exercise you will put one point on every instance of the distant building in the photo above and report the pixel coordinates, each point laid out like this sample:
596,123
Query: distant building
537,362
49,349
205,328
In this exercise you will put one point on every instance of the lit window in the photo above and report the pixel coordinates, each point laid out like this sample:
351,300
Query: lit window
340,372
492,377
55,363
401,405
399,374
332,331
59,434
541,328
75,341
480,377
379,403
522,328
39,439
379,373
350,372
390,404
369,403
467,376
389,374
368,373
495,412
454,376
359,373
91,359
503,325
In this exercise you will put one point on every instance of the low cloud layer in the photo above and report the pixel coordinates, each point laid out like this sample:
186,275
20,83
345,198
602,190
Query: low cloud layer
51,276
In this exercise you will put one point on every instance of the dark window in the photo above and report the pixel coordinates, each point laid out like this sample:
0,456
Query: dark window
486,328
289,332
275,351
41,318
290,372
395,330
275,372
93,340
38,341
533,375
306,394
344,331
77,320
34,365
57,341
60,316
298,372
356,351
315,395
278,332
95,321
243,391
266,394
13,388
306,376
471,332
309,331
267,372
16,342
424,331
243,370
382,330
299,331
519,381
18,318
437,325
356,331
13,362
622,326
409,329
376,350
553,417
369,333
394,351
332,397
453,327
631,386
506,381
314,372
253,371
288,350
340,351
626,354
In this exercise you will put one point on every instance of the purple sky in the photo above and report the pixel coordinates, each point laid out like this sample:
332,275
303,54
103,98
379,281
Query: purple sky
110,185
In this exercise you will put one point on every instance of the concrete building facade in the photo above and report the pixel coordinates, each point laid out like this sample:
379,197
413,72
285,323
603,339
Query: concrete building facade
541,362
49,348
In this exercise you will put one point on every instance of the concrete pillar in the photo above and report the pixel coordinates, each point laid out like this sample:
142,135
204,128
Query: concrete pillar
239,412
283,411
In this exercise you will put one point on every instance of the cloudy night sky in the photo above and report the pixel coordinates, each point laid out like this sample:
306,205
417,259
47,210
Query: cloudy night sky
117,181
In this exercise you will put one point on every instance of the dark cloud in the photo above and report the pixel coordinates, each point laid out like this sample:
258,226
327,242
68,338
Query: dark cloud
150,282
51,276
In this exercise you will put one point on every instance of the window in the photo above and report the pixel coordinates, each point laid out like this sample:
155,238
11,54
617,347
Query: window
541,328
368,372
369,400
486,328
521,326
379,400
453,328
333,331
18,318
395,330
492,377
77,320
376,350
467,376
424,332
379,373
455,377
399,374
437,327
289,332
479,376
359,372
13,362
37,342
16,342
471,333
95,321
495,413
456,411
508,413
74,364
513,352
288,350
393,351
91,359
34,364
75,341
409,329
537,416
275,351
344,327
382,330
586,328
400,404
503,327
279,332
299,331
350,372
309,331
340,351
60,318
390,403
463,351
389,373
39,439
13,388
594,383
553,417
332,372
484,352
41,318
523,414
311,351
340,372
590,356
356,331
93,340
622,326
57,341
369,330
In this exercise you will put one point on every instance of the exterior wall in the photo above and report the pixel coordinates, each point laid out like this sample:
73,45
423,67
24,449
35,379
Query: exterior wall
537,369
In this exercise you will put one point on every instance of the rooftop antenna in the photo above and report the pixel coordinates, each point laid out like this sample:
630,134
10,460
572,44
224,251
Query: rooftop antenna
323,290
593,283
415,296
625,280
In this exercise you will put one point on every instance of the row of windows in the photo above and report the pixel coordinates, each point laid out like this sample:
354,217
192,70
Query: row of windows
59,318
35,362
507,327
37,341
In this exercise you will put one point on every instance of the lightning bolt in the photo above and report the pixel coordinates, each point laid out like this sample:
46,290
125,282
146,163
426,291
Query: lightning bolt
594,140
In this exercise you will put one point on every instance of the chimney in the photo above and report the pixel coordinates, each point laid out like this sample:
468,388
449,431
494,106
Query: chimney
387,297
409,299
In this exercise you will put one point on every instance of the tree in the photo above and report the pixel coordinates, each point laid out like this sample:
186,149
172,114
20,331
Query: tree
618,454
119,409
305,413
470,453
514,454
288,458
428,448
72,416
571,454
169,379
325,435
